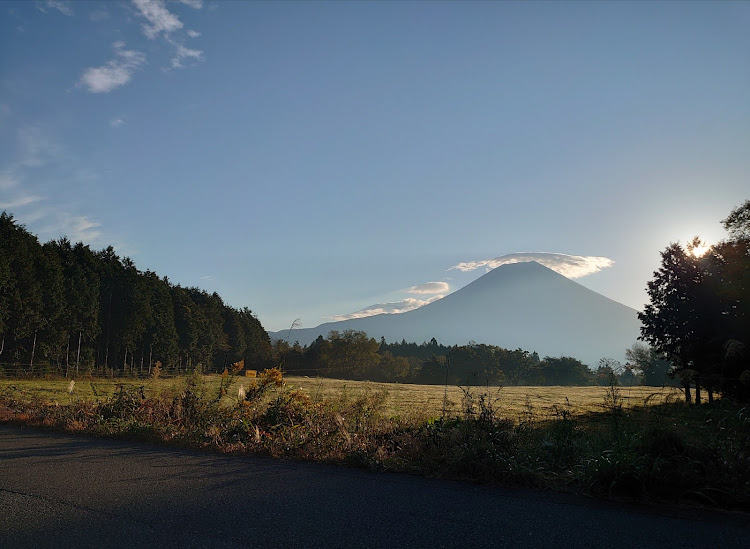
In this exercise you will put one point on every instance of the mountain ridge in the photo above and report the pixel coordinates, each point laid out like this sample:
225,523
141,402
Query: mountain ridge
519,305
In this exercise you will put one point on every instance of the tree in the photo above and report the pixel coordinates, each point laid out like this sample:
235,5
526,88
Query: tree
435,371
81,284
235,335
518,365
475,364
699,305
59,303
677,318
608,372
737,223
350,353
22,294
50,275
652,368
388,369
186,325
562,370
161,341
258,351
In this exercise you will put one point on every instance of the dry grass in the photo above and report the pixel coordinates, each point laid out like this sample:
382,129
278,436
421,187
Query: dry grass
510,402
90,391
403,400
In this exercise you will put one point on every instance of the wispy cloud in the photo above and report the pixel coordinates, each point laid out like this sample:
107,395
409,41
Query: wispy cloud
51,221
437,290
20,201
115,73
39,203
99,15
78,228
35,146
156,21
162,22
158,18
390,308
8,181
183,54
430,288
117,121
571,266
59,5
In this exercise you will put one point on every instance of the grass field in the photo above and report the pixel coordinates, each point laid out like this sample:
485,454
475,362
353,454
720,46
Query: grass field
511,402
402,399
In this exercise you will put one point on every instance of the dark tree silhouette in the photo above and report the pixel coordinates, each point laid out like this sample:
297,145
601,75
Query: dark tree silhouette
699,311
63,305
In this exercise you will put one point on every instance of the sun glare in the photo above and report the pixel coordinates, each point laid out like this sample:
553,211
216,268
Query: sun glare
698,251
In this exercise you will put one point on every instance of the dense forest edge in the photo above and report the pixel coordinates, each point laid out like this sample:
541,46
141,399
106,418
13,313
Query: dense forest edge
69,310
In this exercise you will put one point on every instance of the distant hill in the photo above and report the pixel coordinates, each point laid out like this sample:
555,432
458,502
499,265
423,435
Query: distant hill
520,305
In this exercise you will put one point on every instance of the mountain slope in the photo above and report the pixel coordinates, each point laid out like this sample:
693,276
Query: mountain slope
522,305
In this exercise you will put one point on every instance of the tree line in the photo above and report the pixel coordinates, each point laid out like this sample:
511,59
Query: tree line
698,317
65,308
351,354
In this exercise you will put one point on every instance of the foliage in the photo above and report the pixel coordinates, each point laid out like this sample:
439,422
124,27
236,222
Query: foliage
70,310
353,355
698,317
349,352
650,367
561,371
737,223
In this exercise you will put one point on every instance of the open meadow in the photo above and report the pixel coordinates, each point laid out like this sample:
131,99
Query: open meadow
417,402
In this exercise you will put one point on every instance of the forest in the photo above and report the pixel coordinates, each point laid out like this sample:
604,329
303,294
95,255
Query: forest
352,354
67,309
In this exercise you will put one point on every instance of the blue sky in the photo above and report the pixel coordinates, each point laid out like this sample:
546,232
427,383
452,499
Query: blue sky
311,159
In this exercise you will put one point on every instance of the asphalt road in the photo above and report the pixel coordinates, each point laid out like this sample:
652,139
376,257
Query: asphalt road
61,491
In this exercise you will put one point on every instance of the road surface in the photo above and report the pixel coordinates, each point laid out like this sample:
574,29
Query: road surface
59,491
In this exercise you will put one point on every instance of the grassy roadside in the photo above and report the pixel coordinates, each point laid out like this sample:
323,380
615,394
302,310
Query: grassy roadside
614,442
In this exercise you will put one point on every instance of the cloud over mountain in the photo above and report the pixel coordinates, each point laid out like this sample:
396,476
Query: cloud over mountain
430,288
391,308
570,266
523,305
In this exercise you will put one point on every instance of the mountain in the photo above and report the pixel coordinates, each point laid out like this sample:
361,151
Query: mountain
519,305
